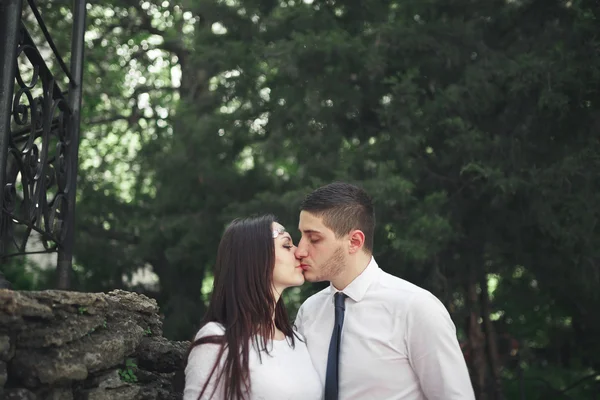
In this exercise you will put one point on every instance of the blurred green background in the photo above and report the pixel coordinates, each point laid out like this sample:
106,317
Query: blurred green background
473,124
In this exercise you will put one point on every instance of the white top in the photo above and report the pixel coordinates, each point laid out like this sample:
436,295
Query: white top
286,373
398,341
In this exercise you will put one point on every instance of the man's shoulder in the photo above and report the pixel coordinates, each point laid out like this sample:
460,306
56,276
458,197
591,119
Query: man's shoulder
399,286
408,294
316,299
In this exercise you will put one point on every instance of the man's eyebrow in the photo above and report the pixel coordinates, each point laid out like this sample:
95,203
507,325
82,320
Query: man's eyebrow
309,231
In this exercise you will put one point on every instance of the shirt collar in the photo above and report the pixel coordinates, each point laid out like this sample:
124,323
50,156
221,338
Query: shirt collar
357,289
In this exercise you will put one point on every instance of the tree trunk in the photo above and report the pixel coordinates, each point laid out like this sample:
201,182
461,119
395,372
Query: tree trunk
478,365
179,298
492,344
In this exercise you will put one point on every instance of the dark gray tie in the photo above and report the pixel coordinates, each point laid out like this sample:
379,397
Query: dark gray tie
332,374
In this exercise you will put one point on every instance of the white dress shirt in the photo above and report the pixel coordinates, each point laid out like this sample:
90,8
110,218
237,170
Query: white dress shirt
398,341
286,373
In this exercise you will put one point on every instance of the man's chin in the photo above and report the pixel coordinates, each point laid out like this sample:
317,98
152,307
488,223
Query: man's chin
310,277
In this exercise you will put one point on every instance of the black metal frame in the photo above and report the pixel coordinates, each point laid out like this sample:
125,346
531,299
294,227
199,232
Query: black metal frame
39,139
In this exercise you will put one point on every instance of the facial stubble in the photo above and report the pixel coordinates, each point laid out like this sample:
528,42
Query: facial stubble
331,268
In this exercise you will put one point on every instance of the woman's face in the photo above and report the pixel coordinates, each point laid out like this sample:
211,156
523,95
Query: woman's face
287,271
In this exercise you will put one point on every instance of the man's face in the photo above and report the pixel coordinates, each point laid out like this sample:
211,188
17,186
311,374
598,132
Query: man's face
321,255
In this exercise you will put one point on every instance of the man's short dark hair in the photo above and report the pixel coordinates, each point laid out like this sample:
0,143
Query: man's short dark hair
343,207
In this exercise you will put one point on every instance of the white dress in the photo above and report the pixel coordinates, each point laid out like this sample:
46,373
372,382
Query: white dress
286,373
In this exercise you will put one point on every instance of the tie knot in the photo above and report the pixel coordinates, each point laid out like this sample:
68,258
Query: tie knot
340,300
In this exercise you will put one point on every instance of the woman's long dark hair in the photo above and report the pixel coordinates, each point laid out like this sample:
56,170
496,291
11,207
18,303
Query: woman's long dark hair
243,302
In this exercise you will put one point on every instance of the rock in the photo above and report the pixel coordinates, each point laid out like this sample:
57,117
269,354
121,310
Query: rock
112,346
133,301
155,379
15,303
160,355
73,302
52,366
14,306
142,309
127,392
70,346
58,393
3,374
44,334
149,393
156,386
109,386
100,351
19,394
7,351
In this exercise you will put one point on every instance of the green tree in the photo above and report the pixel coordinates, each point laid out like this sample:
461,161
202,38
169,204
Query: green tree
470,123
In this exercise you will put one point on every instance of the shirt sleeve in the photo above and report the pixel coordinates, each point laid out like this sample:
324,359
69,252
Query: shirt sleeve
200,364
298,324
434,352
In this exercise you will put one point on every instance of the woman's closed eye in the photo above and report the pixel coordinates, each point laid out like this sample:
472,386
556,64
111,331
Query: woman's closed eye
288,246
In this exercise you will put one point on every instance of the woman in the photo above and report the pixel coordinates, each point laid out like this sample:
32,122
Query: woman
255,263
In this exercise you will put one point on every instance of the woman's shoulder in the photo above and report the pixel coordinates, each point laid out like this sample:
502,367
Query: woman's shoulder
211,329
298,335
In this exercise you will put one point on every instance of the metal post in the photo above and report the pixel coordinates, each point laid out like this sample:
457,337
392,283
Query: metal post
65,253
10,19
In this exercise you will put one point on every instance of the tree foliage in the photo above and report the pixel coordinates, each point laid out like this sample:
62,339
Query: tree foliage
472,124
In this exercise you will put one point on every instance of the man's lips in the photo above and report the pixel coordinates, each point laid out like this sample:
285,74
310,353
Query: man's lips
304,267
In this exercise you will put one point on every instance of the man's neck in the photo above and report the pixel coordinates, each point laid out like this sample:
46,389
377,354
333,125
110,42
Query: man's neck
356,265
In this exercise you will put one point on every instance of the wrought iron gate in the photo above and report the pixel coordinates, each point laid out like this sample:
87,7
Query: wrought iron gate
39,137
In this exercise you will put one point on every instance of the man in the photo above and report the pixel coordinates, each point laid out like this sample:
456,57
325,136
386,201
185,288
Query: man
381,337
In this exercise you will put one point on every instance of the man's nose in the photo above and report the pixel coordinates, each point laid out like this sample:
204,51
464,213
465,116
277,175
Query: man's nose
300,252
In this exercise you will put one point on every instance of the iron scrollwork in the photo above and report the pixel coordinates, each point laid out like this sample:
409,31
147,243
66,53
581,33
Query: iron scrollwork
38,170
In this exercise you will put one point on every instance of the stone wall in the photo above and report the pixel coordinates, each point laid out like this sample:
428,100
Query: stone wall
61,345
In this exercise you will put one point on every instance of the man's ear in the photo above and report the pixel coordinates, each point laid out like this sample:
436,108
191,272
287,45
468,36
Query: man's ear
357,241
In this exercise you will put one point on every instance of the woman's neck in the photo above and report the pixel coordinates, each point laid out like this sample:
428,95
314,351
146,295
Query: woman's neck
278,335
